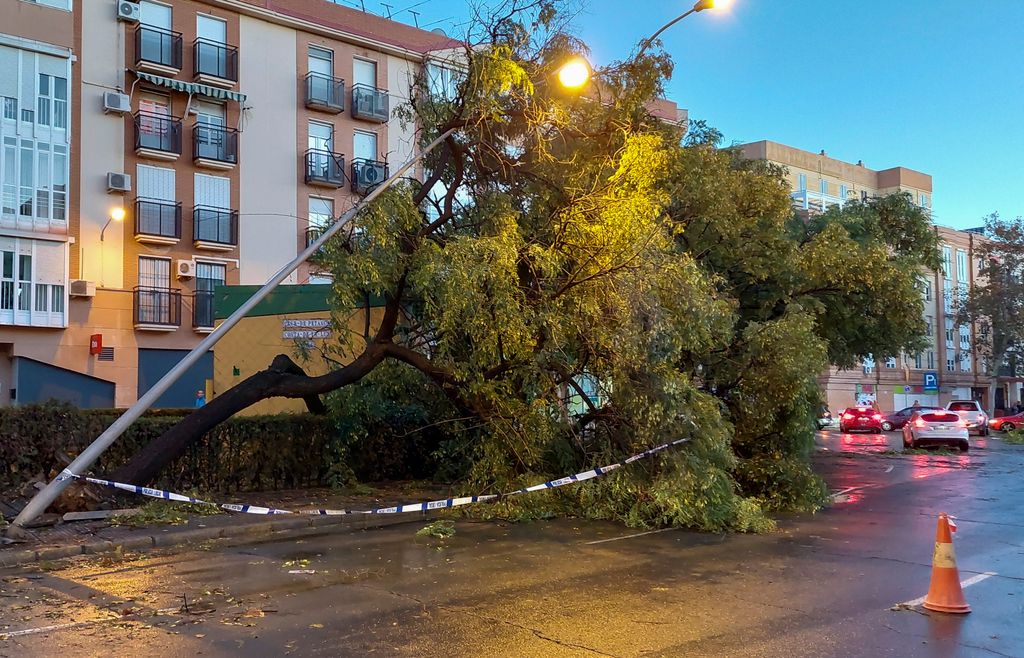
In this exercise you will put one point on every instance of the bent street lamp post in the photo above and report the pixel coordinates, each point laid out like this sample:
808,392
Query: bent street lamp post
81,464
700,5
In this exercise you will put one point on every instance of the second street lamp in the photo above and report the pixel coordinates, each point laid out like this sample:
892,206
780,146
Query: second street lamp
700,5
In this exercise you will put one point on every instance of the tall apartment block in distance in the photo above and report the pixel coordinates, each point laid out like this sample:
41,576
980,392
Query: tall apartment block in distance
949,368
229,132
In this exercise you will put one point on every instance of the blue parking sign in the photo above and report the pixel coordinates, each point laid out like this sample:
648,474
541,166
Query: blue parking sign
931,382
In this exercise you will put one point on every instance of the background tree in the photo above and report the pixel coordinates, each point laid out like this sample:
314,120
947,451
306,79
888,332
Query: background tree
994,306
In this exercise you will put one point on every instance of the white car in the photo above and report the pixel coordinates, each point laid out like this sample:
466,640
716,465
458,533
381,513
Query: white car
936,428
971,411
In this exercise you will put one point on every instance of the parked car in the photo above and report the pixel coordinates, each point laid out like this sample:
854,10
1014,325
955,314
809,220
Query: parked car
860,419
1006,423
824,418
897,419
936,428
971,411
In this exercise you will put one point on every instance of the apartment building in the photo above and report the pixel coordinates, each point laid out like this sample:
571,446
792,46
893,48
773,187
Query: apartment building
949,368
152,151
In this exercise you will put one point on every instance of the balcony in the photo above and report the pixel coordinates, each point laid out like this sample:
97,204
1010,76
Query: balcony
202,311
214,63
214,147
157,222
214,229
157,50
157,136
313,234
370,103
367,174
815,202
325,93
325,169
157,309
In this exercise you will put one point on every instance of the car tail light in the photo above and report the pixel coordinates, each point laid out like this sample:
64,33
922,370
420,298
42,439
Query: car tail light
920,423
877,417
962,423
847,416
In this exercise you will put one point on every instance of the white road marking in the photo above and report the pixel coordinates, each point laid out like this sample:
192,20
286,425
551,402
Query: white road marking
973,580
639,534
889,468
79,624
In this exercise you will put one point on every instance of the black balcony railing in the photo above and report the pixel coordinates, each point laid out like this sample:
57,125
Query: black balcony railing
156,45
313,234
157,132
158,306
325,168
216,225
325,93
370,103
154,218
202,309
212,142
217,60
366,174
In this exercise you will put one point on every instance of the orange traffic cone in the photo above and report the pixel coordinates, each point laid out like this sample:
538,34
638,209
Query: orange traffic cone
945,593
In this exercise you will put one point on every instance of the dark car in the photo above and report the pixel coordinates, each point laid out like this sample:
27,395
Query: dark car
864,419
1007,423
897,419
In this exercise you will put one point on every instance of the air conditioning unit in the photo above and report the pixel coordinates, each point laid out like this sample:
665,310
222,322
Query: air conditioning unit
116,102
366,174
81,288
186,269
117,182
129,12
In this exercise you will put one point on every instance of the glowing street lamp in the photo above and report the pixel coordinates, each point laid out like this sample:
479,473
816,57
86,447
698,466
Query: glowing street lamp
574,74
116,215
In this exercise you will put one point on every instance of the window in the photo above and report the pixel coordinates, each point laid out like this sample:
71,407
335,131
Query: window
52,103
153,296
890,363
947,296
321,60
321,212
444,82
34,177
57,4
211,29
364,72
802,182
321,136
32,282
965,337
208,277
961,265
924,200
869,364
947,255
931,360
823,186
950,364
864,196
364,145
918,360
155,14
10,108
927,286
949,333
965,362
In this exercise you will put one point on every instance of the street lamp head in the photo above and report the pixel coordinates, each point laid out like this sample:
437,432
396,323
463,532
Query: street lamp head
574,74
701,5
117,214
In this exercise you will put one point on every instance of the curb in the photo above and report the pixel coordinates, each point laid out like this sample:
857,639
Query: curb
311,525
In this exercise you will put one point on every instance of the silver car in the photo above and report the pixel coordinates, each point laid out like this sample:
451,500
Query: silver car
972,413
939,427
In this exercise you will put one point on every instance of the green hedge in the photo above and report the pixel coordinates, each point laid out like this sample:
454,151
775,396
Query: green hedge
244,453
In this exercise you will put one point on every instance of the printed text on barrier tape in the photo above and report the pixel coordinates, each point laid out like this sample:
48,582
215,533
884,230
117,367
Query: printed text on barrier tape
397,509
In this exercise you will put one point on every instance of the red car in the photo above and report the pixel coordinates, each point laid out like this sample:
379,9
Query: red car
1006,423
860,419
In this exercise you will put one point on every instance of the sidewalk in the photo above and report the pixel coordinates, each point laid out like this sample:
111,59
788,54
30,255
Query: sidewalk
69,539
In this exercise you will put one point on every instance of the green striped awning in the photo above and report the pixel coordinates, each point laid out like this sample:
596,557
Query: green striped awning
192,87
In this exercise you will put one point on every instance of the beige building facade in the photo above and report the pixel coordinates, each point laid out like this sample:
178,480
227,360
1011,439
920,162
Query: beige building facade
949,367
229,132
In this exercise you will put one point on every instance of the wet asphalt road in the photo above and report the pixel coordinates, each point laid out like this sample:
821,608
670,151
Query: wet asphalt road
821,586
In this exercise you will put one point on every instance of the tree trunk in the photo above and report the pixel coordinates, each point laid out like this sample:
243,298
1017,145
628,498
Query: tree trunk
282,379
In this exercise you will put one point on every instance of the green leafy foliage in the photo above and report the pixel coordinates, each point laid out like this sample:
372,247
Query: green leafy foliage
442,529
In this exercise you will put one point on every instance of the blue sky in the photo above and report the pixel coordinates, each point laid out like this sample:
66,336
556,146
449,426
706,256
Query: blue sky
933,85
